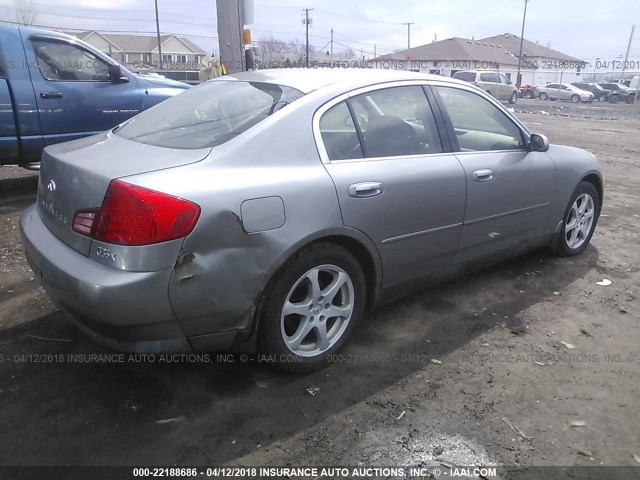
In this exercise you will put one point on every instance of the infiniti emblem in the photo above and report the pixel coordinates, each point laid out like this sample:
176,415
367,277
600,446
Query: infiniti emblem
51,186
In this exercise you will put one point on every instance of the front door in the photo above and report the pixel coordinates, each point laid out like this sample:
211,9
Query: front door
393,181
508,187
74,92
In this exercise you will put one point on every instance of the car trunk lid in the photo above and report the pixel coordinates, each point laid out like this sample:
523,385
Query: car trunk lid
75,176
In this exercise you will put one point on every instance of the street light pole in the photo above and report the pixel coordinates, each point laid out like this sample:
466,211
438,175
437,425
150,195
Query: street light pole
158,34
306,22
408,24
524,18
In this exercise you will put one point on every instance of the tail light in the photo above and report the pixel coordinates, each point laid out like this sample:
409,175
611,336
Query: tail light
132,215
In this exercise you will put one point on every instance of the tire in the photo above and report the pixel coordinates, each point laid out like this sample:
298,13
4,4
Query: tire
613,99
335,272
630,99
602,98
575,98
544,96
580,219
513,98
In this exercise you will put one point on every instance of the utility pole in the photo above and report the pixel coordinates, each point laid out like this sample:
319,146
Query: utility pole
307,21
524,18
332,44
626,57
230,15
408,24
375,50
158,35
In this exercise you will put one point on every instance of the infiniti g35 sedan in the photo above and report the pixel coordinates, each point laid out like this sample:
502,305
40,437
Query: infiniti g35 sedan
269,210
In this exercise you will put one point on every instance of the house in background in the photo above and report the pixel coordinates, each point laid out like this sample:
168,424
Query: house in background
139,53
540,65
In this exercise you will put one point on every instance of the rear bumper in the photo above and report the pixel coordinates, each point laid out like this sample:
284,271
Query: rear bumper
128,311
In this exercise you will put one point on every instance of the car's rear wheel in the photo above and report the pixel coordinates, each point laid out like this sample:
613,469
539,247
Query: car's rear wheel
544,96
312,308
514,98
630,99
580,220
575,98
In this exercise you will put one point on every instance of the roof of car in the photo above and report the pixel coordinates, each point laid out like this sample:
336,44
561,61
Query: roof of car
308,80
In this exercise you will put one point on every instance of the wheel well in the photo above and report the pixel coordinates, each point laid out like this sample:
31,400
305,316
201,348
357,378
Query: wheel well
364,258
594,180
354,247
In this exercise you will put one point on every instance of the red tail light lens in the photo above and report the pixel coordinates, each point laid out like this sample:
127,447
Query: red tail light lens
132,215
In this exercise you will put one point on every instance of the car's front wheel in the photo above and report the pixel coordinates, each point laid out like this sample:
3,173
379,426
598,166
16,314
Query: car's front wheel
312,308
575,98
514,98
580,220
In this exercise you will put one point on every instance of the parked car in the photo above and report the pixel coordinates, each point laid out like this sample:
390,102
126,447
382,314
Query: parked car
564,91
494,83
529,91
54,88
194,227
619,93
600,94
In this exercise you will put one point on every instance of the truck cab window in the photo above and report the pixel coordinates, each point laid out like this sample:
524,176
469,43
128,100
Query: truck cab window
64,62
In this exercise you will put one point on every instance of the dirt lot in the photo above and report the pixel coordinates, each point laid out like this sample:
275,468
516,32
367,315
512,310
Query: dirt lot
496,338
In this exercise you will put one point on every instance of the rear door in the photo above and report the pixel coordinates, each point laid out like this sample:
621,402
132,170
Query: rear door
73,90
509,189
395,180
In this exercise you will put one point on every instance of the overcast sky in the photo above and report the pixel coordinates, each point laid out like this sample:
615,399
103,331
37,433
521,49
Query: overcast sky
579,28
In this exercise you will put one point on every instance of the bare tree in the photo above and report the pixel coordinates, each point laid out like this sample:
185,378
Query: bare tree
271,49
25,11
349,53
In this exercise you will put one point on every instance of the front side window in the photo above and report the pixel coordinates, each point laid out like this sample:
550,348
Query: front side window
64,62
479,125
504,80
208,115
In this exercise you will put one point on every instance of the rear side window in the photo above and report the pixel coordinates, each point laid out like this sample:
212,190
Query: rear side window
208,115
390,122
465,76
339,133
489,77
479,125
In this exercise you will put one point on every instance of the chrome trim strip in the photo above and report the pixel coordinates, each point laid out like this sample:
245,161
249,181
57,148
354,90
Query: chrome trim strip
506,214
423,232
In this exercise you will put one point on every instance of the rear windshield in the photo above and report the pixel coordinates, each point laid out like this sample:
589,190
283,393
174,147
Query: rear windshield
208,115
465,76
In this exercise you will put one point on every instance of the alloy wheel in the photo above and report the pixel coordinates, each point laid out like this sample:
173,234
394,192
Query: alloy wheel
579,221
317,310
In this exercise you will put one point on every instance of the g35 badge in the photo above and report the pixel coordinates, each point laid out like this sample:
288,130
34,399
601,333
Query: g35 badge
105,253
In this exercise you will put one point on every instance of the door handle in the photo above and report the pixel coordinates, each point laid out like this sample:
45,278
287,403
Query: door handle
51,94
365,189
483,175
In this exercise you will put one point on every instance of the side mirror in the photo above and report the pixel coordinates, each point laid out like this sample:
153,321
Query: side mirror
115,74
538,143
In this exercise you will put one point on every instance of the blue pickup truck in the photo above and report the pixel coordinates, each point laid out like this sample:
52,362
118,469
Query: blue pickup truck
54,88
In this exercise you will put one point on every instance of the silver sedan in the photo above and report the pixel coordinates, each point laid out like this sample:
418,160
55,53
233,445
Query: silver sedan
272,209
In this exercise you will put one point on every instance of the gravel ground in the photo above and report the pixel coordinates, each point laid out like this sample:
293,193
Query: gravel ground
473,371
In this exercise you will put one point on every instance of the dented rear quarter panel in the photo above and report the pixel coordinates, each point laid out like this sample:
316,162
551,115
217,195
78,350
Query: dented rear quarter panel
222,269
